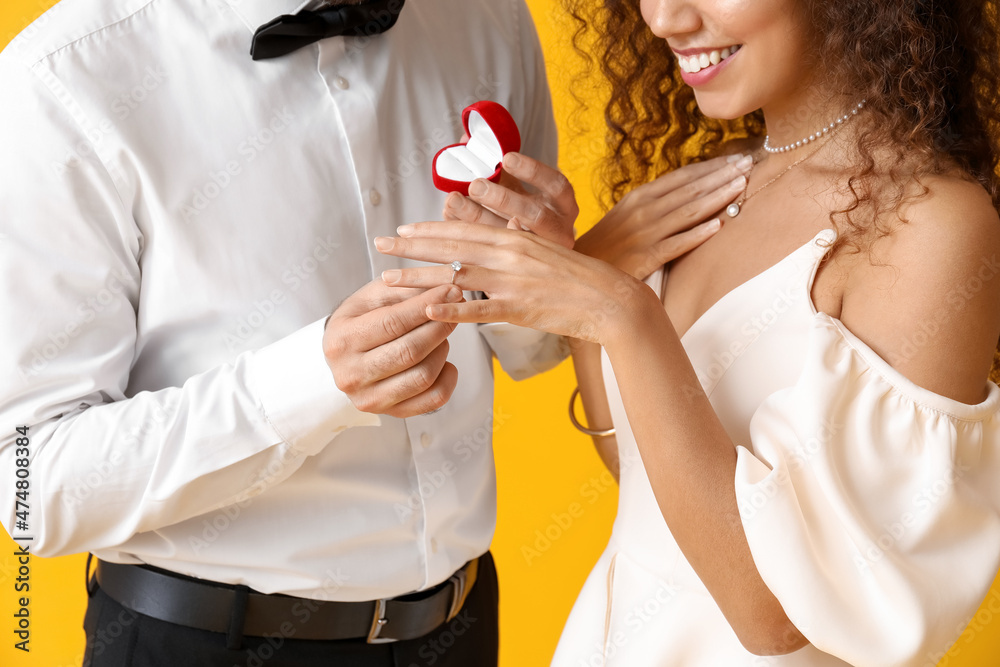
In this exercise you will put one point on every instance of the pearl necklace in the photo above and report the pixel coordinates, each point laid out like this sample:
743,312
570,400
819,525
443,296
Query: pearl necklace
813,137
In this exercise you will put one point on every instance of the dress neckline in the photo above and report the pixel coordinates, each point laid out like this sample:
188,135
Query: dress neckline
826,233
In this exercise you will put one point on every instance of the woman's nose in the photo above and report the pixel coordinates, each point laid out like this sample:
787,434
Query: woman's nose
670,18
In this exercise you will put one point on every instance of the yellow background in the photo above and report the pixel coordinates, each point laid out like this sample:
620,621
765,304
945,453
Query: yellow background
543,465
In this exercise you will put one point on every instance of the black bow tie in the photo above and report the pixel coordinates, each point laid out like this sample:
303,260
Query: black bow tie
290,32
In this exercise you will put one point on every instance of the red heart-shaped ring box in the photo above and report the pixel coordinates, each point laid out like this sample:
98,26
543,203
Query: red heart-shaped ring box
492,133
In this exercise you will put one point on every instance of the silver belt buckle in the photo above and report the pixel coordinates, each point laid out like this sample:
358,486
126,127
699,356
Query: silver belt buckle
378,622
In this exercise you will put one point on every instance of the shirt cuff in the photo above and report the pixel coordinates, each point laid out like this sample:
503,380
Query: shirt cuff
524,352
297,392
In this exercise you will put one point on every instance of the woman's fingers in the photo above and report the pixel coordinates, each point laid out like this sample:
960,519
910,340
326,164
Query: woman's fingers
692,203
457,207
689,174
477,312
468,278
673,247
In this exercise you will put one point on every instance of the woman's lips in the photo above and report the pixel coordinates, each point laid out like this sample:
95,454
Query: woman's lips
714,59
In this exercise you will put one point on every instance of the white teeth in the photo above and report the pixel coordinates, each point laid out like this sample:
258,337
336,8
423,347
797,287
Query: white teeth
695,64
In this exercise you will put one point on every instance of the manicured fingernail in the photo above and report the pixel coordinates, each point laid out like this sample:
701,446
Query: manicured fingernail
711,225
477,188
454,201
511,160
434,311
391,276
405,230
734,158
745,163
384,243
738,183
453,295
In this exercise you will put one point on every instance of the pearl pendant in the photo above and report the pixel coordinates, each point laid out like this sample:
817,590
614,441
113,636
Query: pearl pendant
733,210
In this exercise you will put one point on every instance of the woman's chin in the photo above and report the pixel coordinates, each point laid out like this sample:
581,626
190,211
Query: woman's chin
721,106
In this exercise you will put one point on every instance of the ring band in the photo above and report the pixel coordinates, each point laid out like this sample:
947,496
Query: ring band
456,266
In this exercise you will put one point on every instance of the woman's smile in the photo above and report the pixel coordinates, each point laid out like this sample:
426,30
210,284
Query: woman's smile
699,66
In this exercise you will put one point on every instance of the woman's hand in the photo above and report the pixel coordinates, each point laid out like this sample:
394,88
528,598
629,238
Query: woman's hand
663,219
530,281
549,212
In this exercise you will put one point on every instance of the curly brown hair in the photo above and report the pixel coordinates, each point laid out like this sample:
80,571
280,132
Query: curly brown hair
929,70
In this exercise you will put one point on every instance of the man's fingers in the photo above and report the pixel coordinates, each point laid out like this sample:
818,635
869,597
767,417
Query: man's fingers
372,296
545,179
432,399
457,207
390,323
504,200
531,215
417,378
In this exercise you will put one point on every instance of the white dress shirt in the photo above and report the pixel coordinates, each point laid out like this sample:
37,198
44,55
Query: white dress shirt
177,223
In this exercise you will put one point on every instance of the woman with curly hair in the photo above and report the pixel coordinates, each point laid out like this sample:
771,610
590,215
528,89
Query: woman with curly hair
795,392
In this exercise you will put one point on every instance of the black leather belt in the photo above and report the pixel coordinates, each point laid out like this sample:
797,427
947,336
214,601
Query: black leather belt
237,611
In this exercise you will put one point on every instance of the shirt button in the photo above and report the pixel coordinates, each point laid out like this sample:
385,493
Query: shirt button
342,83
375,196
425,440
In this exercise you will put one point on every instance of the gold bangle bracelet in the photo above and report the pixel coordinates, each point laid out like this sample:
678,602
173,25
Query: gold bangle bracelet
578,425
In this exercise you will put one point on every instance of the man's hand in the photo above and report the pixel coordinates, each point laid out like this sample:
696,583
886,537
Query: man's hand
386,355
549,212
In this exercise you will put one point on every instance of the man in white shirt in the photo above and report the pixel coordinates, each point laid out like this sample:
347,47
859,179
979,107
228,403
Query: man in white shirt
177,224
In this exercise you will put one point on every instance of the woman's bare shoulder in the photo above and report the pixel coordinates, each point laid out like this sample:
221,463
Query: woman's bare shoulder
928,299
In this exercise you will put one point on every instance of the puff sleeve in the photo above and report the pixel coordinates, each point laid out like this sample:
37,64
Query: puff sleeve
872,505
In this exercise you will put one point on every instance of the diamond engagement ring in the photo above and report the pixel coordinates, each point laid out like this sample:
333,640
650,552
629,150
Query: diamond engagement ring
456,266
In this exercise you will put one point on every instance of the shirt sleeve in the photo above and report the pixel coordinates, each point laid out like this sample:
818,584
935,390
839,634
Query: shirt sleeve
104,464
522,352
871,505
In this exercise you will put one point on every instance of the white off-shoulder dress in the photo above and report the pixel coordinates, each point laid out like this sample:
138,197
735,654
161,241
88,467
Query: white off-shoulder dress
871,505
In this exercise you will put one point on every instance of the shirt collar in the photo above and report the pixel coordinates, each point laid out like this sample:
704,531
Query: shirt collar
255,13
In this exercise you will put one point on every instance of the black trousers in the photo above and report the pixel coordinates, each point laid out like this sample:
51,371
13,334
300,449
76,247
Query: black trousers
118,637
